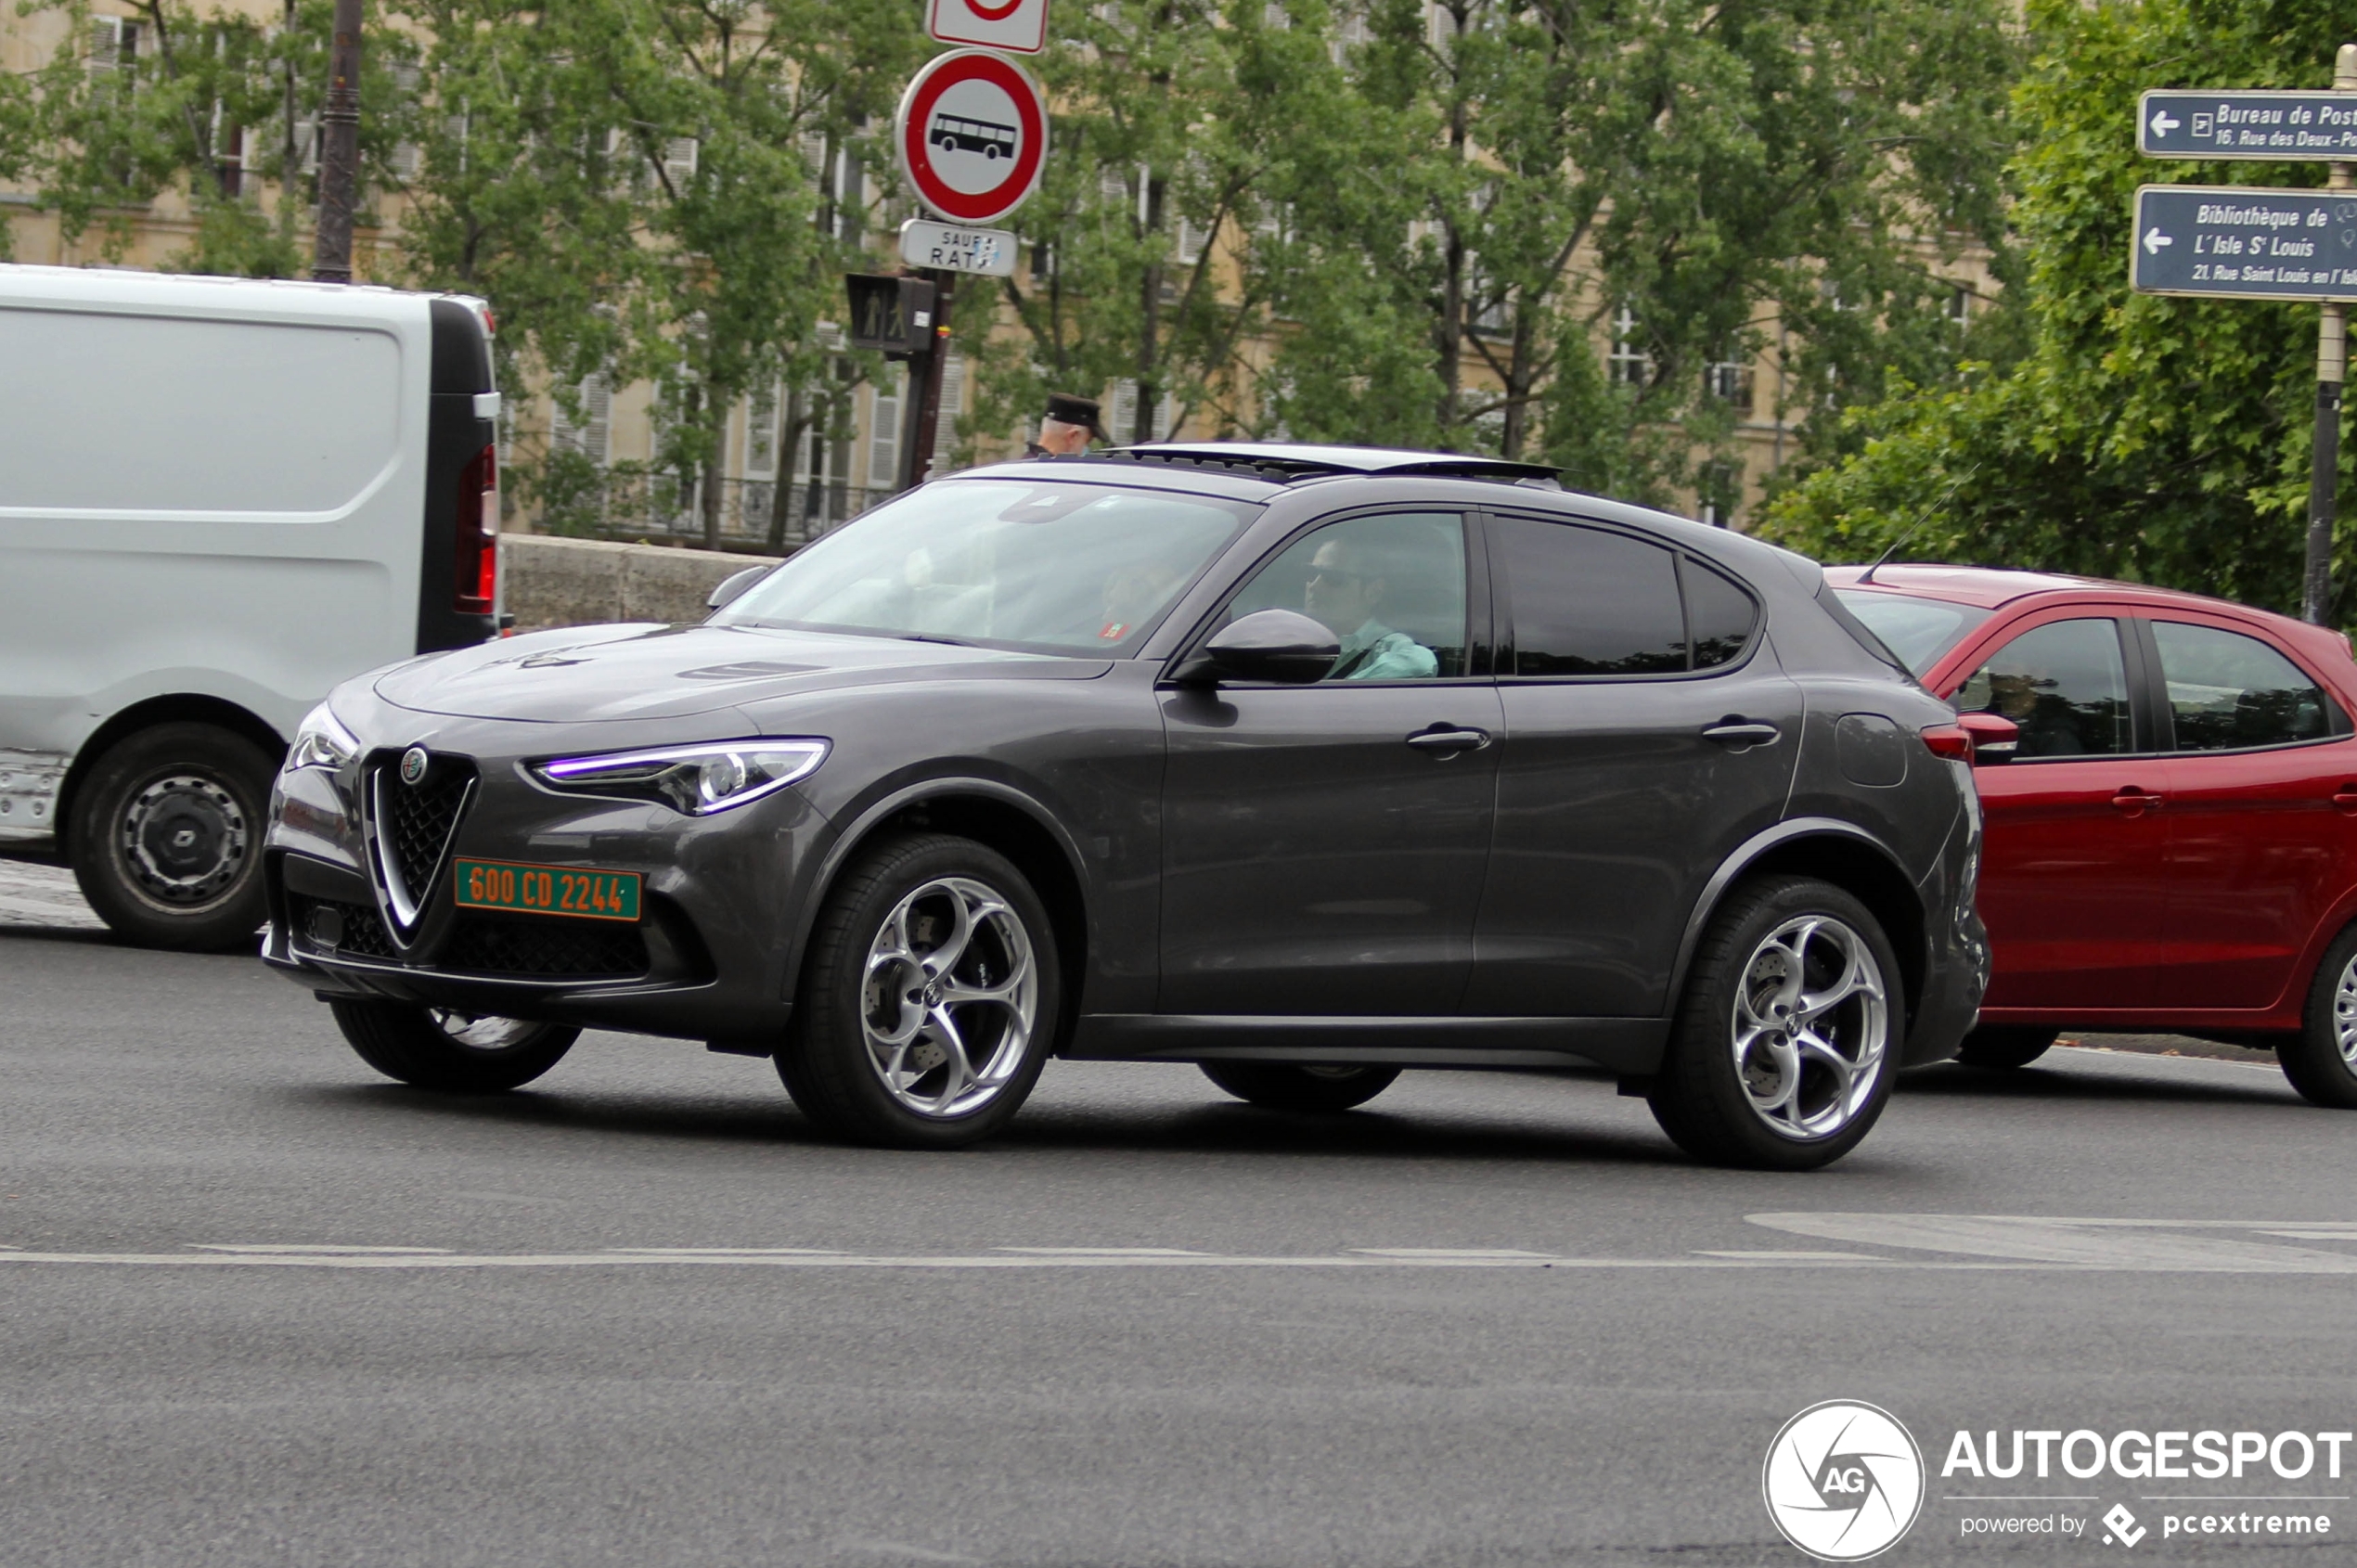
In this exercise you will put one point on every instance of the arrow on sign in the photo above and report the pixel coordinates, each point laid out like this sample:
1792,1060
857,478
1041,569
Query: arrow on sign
2154,240
2162,124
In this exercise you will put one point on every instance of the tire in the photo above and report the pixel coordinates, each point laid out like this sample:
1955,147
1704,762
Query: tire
1285,1087
2321,1061
1735,1087
2003,1046
928,999
450,1053
166,837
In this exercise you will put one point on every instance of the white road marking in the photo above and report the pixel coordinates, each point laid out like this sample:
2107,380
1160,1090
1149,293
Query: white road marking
725,1251
1789,1257
320,1248
2158,1245
1101,1252
1446,1252
43,895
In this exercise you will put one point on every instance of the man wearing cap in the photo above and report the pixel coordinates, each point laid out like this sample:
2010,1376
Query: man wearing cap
1070,424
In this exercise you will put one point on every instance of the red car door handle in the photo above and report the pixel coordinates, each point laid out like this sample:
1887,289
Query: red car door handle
2133,802
2344,799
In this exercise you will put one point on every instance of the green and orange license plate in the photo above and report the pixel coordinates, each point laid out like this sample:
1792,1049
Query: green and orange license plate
547,890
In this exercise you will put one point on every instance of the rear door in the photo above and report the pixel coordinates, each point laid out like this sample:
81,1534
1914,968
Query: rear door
2073,886
2262,814
1649,731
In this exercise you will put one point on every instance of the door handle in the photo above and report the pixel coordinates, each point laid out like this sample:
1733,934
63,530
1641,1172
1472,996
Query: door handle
2345,799
2132,800
1448,742
1736,732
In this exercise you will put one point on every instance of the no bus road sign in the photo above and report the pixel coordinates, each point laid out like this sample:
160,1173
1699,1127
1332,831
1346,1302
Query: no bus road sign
973,134
2242,242
1017,26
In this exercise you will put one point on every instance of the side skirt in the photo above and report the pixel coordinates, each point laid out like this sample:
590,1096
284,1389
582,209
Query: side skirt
1631,1046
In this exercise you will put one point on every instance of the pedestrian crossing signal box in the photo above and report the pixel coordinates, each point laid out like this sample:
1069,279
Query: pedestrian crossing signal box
891,313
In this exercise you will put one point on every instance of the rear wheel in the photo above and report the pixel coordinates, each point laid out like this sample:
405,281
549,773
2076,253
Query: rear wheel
451,1052
1306,1086
2001,1046
1782,1054
166,837
928,1000
2321,1061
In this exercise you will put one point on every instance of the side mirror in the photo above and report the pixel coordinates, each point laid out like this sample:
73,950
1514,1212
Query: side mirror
733,585
1993,737
1281,646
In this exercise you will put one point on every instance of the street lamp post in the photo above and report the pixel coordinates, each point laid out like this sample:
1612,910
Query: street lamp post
339,151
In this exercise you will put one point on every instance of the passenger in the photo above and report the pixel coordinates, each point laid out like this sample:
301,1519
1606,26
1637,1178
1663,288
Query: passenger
1342,594
2032,699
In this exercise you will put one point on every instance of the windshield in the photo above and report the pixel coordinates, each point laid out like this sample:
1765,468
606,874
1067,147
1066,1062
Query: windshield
1918,630
1024,563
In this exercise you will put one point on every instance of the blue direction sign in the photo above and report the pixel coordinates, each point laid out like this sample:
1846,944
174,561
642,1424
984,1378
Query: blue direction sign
2281,126
2239,242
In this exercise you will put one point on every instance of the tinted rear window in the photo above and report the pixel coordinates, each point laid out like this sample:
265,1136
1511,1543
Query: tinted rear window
1917,630
1587,603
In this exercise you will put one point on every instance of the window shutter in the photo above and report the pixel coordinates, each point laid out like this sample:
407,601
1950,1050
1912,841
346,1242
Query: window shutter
884,438
1123,426
679,160
945,424
1188,250
1166,417
761,435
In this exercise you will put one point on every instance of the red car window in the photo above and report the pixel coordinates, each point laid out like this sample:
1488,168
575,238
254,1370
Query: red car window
2064,682
2229,692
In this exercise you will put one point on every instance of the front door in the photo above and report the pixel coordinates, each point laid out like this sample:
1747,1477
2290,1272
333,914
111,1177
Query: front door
2073,887
2261,787
1323,844
1647,735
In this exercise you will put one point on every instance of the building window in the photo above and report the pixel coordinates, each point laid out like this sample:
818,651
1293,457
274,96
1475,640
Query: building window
592,434
1958,306
884,433
1728,379
1628,364
1718,489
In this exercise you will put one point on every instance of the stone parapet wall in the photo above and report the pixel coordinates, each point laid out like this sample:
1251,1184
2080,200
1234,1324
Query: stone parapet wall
553,582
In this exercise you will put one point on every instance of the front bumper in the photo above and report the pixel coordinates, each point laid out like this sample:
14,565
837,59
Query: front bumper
362,903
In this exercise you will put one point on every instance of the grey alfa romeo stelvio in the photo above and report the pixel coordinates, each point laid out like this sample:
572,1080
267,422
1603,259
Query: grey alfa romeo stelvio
1304,764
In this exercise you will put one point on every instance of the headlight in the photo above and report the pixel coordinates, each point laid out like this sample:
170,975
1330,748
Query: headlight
698,780
322,741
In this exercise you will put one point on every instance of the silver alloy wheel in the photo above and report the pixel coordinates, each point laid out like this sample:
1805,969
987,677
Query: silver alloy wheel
949,998
2345,1014
183,840
483,1034
1811,1027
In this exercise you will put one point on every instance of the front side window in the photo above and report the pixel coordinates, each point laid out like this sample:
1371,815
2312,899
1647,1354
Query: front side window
2064,684
1391,590
1588,602
2228,691
1029,565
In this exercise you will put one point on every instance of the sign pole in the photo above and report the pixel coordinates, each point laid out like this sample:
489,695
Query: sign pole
2332,370
924,382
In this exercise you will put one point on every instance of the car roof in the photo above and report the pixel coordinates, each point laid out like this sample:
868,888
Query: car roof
1991,587
1282,462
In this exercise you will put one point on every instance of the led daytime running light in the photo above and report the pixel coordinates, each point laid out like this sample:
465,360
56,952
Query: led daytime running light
697,780
321,740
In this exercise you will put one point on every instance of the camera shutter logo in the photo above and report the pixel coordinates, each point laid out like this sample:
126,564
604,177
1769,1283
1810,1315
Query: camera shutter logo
1843,1481
413,767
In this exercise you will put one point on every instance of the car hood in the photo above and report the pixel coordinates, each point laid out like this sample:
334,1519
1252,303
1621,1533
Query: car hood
585,674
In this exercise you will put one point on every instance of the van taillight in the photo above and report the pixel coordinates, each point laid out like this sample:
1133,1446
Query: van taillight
475,567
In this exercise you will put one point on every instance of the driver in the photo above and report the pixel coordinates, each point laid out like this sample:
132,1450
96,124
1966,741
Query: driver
1342,592
2028,698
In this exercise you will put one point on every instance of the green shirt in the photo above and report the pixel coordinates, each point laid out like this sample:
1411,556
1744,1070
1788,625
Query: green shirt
1375,653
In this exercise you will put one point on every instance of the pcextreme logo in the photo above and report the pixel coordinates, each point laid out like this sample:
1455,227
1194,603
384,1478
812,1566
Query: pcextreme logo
1843,1481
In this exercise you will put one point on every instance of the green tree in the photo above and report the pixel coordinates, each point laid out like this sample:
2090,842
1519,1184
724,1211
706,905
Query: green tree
2161,440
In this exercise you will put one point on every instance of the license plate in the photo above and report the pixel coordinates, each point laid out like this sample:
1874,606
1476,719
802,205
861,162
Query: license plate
547,890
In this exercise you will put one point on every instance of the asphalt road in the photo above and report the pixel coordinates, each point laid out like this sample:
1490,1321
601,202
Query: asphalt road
257,1305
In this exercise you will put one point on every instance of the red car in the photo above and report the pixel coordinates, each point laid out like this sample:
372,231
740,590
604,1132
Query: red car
2171,809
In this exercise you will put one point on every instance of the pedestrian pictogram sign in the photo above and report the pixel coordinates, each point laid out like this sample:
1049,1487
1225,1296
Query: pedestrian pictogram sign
1020,26
973,134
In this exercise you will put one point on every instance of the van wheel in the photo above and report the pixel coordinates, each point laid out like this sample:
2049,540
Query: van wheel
1286,1086
2321,1061
166,837
452,1052
928,1000
2001,1046
1781,1055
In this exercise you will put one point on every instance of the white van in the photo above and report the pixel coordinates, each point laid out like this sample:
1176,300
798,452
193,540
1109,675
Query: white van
218,498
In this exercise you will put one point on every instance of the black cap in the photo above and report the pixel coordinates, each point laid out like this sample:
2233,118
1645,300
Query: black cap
1077,411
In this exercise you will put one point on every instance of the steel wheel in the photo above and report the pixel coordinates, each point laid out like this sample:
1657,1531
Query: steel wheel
1811,1027
183,839
950,998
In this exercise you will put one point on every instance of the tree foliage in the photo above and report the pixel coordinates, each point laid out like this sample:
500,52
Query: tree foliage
2160,440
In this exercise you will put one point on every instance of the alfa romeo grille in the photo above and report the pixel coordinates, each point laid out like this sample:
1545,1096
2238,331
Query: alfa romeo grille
414,825
542,945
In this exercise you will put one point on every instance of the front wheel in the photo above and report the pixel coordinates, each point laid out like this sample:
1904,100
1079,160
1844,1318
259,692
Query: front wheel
451,1052
2001,1046
2321,1061
1782,1054
928,1000
166,838
1308,1087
